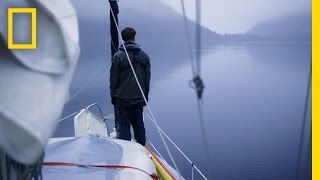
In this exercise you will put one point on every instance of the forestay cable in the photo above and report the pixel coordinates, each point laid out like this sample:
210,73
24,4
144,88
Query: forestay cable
144,98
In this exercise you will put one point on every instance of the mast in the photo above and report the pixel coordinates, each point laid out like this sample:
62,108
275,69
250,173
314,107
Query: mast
198,39
113,26
199,84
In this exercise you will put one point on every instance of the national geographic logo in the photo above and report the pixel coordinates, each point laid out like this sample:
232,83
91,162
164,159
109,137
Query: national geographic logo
33,12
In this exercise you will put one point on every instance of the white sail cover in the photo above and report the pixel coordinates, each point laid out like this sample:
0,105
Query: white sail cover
34,83
89,150
120,159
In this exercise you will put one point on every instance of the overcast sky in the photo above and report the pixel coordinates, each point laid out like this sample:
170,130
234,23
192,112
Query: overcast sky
238,16
222,16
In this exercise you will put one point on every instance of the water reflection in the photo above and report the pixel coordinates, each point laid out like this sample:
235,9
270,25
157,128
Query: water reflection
253,109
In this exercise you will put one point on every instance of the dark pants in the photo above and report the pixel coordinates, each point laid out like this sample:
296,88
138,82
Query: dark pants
127,113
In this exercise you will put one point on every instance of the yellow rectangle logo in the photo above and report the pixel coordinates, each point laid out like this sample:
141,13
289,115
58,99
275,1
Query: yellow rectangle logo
33,12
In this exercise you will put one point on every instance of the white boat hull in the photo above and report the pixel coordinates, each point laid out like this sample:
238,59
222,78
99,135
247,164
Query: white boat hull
74,157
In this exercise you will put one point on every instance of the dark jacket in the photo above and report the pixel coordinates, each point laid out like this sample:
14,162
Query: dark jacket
122,82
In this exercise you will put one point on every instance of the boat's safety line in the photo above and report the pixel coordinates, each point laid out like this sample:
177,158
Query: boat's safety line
89,83
155,149
163,171
144,98
193,166
153,175
91,105
62,119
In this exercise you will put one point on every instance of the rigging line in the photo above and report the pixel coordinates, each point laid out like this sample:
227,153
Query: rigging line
308,153
145,100
171,140
204,139
188,38
62,119
196,74
305,112
185,156
89,83
192,173
156,150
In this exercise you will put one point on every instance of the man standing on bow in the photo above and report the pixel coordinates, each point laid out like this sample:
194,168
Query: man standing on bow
124,89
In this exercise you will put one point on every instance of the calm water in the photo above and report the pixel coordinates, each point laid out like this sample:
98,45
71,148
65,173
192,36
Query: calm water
253,105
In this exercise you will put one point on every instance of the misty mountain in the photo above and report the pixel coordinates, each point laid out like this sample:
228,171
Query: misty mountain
154,21
294,27
157,23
